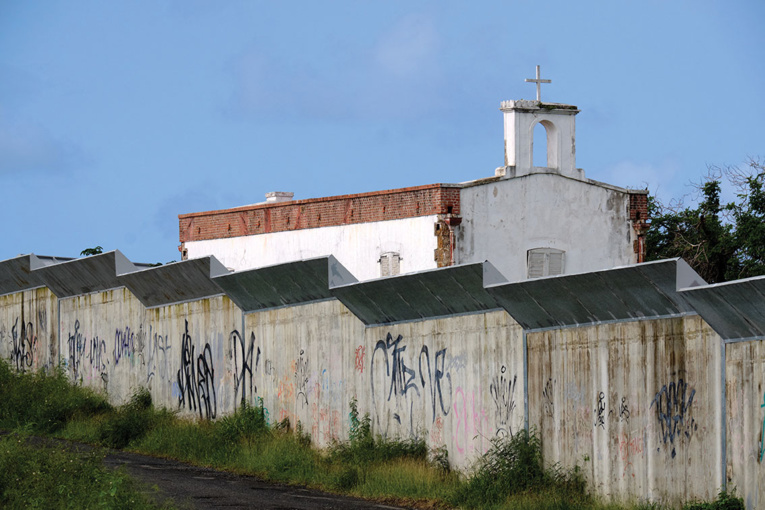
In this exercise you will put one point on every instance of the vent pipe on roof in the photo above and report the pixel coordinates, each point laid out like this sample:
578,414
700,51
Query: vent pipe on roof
279,196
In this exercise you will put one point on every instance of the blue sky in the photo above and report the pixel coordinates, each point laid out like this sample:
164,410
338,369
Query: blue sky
117,116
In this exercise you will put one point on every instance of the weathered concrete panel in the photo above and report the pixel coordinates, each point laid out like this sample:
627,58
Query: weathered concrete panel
28,336
188,354
636,405
745,390
101,341
456,381
305,366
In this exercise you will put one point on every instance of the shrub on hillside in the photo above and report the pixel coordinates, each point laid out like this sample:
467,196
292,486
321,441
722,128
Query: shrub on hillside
43,402
514,466
129,422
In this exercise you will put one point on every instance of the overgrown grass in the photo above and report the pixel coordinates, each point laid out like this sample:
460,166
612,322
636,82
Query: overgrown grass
44,403
39,476
511,475
724,501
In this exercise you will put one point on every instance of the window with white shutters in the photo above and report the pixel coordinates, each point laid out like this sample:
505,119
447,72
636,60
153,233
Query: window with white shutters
390,264
544,262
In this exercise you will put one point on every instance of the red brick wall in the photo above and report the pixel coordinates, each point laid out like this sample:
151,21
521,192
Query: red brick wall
320,212
638,207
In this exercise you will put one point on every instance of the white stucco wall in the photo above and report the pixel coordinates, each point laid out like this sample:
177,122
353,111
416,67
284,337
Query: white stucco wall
505,218
357,246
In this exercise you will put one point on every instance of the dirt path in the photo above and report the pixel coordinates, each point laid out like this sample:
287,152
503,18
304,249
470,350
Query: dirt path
194,487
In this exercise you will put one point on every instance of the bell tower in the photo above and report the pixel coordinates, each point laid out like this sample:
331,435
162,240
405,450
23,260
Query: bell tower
558,120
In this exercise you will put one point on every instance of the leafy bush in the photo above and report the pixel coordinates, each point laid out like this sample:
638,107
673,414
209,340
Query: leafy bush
39,476
43,402
130,422
247,422
724,501
364,448
514,466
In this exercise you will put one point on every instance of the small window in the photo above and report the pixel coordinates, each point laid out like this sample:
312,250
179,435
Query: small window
544,262
390,264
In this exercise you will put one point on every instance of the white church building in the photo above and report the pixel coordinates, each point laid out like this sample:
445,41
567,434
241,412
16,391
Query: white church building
528,221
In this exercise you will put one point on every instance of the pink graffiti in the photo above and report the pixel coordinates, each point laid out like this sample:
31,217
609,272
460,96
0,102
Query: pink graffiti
472,422
437,432
326,423
361,353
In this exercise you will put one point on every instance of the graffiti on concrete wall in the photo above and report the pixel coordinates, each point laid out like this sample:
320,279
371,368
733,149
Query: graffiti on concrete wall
76,350
195,378
403,385
673,411
603,414
470,421
300,369
502,390
124,344
361,353
436,377
86,359
548,405
402,377
630,448
600,410
244,366
23,344
98,358
157,356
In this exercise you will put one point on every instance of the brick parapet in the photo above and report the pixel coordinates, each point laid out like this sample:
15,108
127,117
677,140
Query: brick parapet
321,212
639,206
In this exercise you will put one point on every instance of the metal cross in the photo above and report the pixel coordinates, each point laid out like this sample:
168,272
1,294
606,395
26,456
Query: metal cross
539,82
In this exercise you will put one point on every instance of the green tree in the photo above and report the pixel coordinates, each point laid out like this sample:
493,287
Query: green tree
749,216
721,242
87,252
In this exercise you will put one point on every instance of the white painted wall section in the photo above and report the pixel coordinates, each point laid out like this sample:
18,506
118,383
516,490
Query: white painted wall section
506,218
357,246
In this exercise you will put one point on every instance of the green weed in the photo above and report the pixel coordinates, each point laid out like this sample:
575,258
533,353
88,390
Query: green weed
363,447
247,422
43,402
511,475
129,422
512,469
724,501
38,476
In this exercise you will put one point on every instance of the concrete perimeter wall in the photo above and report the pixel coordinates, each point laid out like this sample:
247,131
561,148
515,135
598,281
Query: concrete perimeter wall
28,336
636,405
661,408
745,381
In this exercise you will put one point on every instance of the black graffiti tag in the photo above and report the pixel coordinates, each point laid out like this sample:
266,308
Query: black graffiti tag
600,409
124,343
196,384
401,376
208,406
301,378
502,390
243,366
673,412
549,405
435,382
22,345
76,347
